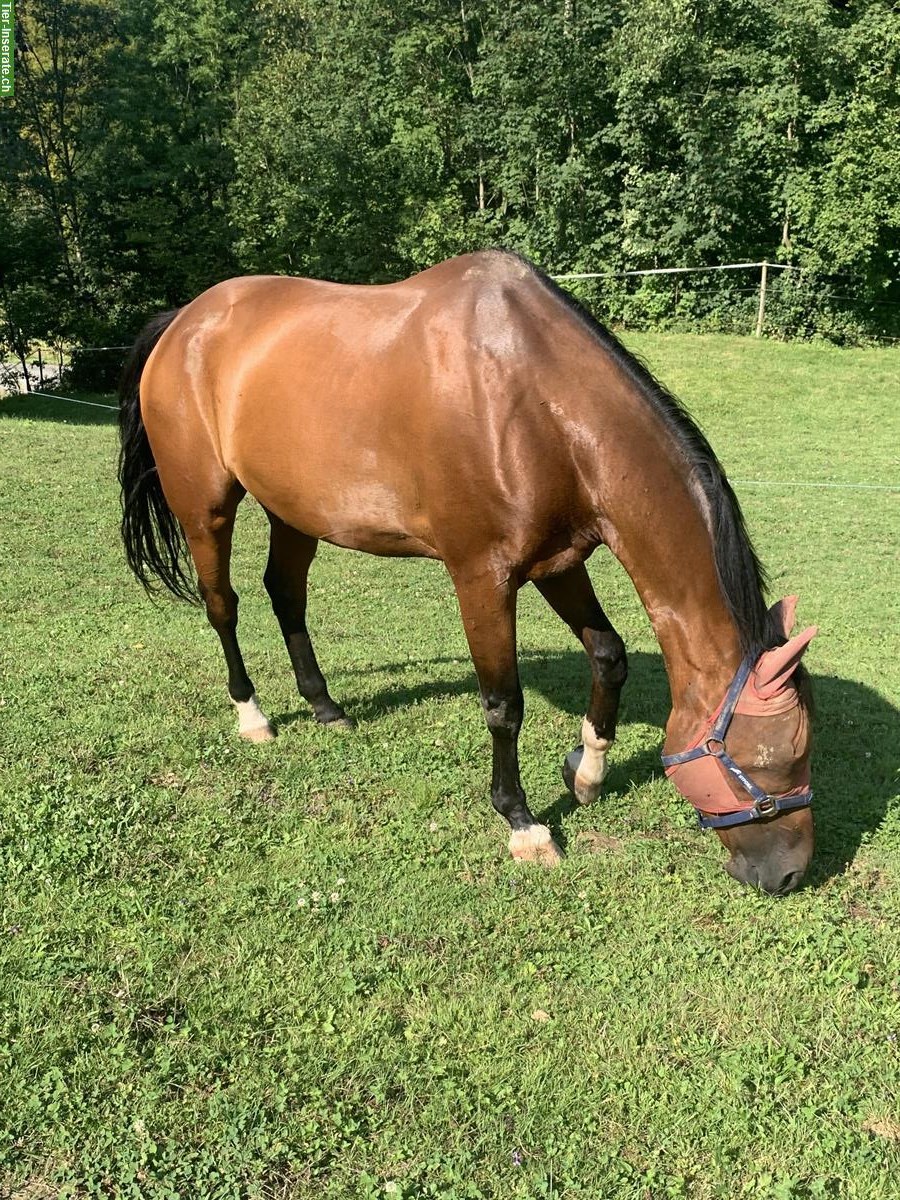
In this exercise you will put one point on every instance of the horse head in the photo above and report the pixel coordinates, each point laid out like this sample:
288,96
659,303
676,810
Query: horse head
747,772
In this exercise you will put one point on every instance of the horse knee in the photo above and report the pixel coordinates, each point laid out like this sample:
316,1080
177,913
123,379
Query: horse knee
503,712
609,660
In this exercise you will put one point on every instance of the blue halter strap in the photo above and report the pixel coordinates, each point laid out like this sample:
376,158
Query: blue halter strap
713,746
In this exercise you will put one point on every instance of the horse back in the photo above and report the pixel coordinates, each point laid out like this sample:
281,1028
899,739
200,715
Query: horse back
421,418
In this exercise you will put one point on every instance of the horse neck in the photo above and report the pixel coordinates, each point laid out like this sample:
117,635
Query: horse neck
654,522
700,645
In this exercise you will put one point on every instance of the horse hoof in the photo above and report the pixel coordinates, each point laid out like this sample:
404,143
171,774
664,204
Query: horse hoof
340,722
535,844
571,763
265,733
584,793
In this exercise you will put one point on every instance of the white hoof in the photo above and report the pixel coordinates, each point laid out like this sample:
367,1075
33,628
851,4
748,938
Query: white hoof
593,766
535,844
264,734
253,724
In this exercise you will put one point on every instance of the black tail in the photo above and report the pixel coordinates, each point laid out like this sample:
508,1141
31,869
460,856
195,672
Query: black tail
154,541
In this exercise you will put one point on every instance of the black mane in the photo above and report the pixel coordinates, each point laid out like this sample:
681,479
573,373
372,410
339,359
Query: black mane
741,575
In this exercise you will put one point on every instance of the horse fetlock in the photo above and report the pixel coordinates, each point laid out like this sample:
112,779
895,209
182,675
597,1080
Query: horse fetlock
535,843
253,724
585,767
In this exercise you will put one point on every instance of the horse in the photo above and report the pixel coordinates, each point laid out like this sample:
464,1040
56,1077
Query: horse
477,414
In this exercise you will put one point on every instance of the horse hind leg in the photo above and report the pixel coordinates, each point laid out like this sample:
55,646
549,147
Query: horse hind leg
290,556
209,531
571,596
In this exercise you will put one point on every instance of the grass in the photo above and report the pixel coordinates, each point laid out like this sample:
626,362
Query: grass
309,969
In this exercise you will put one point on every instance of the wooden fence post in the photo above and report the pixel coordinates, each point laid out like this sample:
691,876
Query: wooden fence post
762,298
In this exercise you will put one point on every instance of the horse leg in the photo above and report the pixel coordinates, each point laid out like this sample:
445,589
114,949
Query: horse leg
489,619
209,538
290,556
572,597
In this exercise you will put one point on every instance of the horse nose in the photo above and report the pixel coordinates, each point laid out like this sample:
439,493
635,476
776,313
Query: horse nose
777,882
788,883
742,871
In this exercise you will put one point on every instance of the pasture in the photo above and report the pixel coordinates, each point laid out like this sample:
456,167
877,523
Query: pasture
309,969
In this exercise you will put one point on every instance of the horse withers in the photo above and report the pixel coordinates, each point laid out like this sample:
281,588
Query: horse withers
475,414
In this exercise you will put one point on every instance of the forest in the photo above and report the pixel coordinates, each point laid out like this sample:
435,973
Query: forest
154,147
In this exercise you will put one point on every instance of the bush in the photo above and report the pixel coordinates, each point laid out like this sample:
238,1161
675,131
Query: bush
799,306
94,370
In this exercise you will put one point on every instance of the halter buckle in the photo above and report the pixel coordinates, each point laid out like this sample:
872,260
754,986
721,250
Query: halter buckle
715,747
766,807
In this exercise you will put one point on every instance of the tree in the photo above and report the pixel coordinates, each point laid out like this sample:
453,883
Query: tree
48,283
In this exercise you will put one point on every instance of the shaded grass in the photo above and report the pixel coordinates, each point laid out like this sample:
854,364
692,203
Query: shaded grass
174,1021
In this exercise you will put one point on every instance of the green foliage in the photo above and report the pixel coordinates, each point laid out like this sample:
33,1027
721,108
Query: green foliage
161,147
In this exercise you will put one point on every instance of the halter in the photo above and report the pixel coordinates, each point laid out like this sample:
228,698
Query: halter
712,744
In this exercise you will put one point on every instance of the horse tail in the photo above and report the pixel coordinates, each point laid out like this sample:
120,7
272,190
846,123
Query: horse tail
153,538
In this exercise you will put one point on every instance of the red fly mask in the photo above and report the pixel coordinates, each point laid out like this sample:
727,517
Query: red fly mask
761,688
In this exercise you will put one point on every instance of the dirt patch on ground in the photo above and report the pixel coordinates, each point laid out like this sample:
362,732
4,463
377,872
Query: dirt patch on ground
598,843
883,1127
31,1189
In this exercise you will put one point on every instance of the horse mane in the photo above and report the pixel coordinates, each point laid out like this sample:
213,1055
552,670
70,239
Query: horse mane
742,577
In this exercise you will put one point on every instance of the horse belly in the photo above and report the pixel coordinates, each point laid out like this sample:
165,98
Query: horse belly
328,497
372,516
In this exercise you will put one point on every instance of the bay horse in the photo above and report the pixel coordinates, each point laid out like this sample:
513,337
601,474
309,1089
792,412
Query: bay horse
475,414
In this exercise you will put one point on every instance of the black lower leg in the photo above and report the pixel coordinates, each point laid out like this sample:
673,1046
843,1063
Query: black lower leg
488,609
240,685
572,597
222,614
290,556
503,714
310,680
609,667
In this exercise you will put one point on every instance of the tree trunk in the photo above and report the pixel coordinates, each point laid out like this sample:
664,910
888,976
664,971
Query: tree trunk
786,225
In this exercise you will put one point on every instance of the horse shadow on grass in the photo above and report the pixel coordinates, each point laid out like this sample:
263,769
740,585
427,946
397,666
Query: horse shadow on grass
854,771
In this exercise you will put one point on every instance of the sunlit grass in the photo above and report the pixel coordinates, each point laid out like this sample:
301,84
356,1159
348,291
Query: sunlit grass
309,969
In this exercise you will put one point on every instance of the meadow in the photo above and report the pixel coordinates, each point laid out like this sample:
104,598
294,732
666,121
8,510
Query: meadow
309,969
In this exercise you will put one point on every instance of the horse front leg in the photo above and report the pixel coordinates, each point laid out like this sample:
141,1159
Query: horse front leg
488,610
571,596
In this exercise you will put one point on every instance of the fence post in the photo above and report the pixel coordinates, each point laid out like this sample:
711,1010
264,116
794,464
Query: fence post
762,298
40,366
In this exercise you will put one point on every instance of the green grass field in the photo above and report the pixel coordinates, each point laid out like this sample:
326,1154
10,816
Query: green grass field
310,970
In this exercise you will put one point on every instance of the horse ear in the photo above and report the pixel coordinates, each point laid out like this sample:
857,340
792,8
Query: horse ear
775,667
783,614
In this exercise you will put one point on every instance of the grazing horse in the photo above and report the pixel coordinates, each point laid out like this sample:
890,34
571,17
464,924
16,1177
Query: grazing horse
475,414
